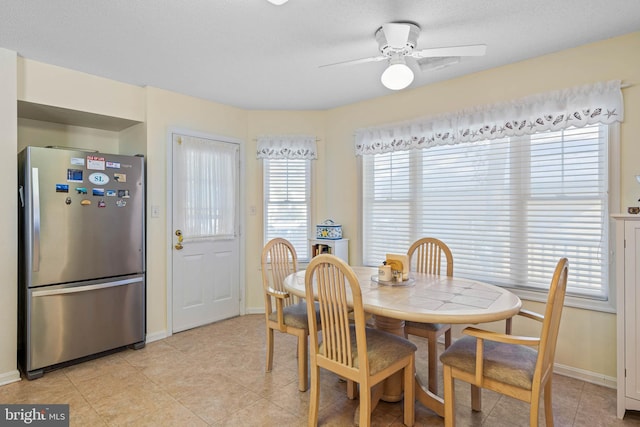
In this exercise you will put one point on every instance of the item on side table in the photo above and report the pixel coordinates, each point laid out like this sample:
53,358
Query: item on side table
329,230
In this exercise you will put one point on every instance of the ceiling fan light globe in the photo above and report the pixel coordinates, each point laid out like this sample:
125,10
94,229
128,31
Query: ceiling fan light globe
397,76
277,2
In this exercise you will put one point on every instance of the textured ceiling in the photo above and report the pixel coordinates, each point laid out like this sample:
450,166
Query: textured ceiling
254,55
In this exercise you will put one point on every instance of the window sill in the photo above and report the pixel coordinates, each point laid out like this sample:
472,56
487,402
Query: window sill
569,301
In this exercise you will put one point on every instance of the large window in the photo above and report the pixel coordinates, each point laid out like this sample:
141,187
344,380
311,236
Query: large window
287,202
508,208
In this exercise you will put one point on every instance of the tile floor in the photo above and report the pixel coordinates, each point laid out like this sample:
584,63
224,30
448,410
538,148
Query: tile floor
214,376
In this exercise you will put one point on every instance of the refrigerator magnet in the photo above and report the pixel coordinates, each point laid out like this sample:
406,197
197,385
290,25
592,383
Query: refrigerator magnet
95,163
85,202
62,188
102,204
113,165
98,178
78,161
98,192
74,175
110,193
121,203
120,177
81,190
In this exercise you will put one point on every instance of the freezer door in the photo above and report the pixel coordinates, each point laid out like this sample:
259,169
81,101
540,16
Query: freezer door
67,322
83,215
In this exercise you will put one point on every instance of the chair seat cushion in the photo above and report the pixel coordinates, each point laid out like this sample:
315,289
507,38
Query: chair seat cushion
507,363
427,326
383,349
295,315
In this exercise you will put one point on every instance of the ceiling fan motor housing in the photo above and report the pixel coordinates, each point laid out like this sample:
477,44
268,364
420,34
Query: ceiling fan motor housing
388,50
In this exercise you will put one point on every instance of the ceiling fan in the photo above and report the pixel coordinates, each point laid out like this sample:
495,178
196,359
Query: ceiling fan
398,40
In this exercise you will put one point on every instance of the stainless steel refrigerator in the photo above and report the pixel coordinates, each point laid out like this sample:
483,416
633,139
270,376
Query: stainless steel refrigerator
81,289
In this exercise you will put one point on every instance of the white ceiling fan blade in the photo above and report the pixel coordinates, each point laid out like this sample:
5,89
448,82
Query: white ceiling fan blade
472,50
357,61
396,34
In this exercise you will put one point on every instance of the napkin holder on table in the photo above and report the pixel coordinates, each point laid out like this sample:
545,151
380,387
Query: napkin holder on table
399,262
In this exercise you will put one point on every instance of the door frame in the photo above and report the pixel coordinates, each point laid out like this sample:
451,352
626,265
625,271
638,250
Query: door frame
169,215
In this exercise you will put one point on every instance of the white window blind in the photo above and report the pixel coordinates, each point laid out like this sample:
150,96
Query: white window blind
287,202
508,208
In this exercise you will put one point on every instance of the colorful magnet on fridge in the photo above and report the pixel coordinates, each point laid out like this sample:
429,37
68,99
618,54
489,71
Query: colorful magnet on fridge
95,163
74,175
102,204
99,178
85,202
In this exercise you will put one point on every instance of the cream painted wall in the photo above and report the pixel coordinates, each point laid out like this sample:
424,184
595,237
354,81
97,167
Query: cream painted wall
133,140
8,217
41,134
261,123
588,339
60,87
166,111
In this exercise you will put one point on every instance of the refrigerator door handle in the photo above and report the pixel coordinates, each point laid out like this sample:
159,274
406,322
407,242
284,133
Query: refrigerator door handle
76,289
21,194
35,244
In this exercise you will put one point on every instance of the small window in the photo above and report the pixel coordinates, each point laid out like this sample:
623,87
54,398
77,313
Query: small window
287,188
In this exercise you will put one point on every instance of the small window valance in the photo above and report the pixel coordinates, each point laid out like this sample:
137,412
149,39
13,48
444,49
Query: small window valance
287,147
578,106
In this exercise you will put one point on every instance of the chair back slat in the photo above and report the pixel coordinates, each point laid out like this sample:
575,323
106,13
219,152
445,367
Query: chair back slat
337,293
552,316
430,255
334,310
279,259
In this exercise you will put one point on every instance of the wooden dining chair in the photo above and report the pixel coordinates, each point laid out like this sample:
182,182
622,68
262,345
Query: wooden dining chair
506,363
363,355
284,312
431,256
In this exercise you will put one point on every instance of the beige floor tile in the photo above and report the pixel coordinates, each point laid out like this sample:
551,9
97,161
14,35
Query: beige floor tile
126,407
85,416
171,414
264,414
107,384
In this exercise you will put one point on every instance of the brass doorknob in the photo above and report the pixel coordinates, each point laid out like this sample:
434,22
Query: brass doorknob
179,246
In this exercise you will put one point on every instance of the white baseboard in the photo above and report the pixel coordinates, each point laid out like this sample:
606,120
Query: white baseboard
156,336
9,377
588,376
254,310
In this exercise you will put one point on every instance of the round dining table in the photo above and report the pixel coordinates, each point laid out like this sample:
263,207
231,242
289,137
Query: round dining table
423,298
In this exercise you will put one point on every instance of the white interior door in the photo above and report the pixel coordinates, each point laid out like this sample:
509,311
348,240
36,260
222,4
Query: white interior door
205,261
